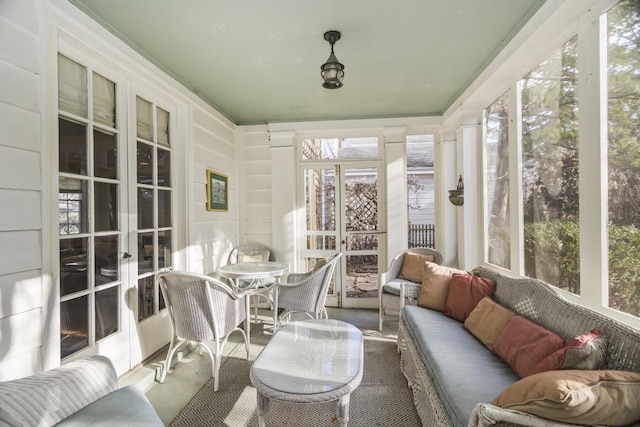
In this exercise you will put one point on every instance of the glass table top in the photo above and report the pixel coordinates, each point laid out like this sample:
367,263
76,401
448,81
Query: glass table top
310,356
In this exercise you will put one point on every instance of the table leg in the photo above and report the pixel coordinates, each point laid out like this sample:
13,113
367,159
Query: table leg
263,408
275,308
342,411
247,320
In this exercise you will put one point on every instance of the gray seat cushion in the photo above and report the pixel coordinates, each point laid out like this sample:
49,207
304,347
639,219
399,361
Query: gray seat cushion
410,288
464,371
127,406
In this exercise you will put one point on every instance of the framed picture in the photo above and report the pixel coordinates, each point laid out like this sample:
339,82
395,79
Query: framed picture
217,192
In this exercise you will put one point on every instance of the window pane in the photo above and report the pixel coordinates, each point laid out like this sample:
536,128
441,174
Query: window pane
145,297
145,208
336,148
72,152
74,325
164,208
420,191
321,242
73,199
106,259
72,87
497,146
105,153
362,276
163,127
320,199
624,156
104,101
106,206
164,168
164,249
550,170
361,204
107,312
145,252
145,163
74,271
144,119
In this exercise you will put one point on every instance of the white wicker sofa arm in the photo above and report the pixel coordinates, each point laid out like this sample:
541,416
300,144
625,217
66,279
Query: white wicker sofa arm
47,398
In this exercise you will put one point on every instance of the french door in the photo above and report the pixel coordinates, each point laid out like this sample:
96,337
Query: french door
341,215
115,216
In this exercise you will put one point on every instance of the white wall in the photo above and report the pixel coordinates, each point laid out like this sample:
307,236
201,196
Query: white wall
21,183
212,235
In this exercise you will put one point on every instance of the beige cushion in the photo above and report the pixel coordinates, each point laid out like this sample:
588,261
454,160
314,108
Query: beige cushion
487,321
413,266
435,285
577,396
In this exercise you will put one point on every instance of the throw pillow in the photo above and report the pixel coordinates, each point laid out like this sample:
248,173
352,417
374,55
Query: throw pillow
523,344
435,285
413,266
465,292
577,397
583,352
487,321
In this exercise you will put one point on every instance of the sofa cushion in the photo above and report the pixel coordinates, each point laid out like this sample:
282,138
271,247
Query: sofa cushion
127,406
487,321
585,351
523,344
577,396
413,266
465,292
410,288
435,285
464,371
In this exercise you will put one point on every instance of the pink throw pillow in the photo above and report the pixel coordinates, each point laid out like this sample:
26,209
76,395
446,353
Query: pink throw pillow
585,351
523,344
465,292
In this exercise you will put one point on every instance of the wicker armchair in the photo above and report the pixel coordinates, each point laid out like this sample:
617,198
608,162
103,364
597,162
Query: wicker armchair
306,292
201,308
390,301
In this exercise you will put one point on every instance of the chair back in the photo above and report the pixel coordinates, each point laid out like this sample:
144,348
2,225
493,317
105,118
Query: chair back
437,256
250,252
201,308
310,293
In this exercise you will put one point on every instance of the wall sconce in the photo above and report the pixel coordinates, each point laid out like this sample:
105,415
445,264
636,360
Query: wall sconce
456,197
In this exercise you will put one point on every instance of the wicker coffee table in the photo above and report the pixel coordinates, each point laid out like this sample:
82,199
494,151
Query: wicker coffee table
310,361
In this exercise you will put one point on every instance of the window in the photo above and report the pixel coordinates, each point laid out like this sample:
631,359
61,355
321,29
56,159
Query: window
340,148
550,169
623,55
420,191
497,179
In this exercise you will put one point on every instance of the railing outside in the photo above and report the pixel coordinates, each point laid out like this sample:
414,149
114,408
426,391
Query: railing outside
422,235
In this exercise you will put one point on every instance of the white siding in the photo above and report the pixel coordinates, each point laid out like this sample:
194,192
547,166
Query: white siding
20,188
256,171
212,235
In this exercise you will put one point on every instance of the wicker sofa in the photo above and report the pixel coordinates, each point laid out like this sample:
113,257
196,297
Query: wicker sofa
454,377
81,393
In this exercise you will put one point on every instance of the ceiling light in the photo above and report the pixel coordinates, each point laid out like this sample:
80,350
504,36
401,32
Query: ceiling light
332,70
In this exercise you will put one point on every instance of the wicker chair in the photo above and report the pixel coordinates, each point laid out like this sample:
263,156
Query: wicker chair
390,302
306,292
201,308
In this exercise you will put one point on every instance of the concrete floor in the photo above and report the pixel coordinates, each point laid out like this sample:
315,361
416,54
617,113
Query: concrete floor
193,370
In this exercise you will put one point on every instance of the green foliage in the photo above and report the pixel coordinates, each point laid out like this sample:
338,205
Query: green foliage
552,255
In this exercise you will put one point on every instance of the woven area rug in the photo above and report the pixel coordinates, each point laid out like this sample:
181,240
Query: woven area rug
382,399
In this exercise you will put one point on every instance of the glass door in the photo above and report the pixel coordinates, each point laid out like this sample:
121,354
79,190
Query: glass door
151,222
361,235
341,215
92,182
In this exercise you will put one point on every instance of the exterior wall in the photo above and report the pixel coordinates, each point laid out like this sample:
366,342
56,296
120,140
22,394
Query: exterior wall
21,188
212,235
423,201
255,169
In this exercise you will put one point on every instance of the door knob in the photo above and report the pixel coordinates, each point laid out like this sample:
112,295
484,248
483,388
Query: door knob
126,255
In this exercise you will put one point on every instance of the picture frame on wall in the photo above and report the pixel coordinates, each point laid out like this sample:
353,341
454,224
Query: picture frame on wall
217,192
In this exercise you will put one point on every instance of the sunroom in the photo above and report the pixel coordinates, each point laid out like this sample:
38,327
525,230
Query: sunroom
112,145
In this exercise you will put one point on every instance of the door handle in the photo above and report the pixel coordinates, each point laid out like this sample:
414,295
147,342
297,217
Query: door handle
126,255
